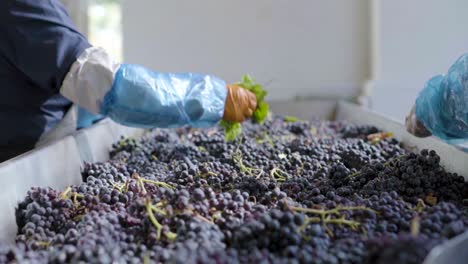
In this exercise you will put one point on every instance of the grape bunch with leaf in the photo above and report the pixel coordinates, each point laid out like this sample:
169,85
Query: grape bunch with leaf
233,129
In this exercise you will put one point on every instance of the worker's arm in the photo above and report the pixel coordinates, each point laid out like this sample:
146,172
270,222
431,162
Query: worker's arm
41,41
135,96
441,108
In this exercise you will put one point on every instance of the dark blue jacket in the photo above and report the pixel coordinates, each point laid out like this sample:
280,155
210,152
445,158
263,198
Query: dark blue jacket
38,45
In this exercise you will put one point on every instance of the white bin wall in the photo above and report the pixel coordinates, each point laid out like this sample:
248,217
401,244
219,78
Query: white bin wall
301,47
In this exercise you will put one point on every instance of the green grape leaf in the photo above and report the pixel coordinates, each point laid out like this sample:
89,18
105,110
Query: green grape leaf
262,107
257,89
231,130
261,113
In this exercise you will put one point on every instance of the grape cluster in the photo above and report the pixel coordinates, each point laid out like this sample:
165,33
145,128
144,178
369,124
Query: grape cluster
284,192
414,176
401,249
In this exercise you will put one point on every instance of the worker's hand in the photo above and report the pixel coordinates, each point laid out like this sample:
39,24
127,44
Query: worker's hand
414,126
240,104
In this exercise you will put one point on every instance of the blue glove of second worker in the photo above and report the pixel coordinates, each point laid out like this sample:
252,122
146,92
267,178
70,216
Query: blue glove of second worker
442,106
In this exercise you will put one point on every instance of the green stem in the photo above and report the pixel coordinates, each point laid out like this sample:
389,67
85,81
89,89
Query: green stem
44,244
171,236
75,198
394,159
279,174
117,187
158,210
335,210
356,174
153,220
146,259
415,226
237,157
65,194
204,175
158,183
341,221
420,206
142,185
149,209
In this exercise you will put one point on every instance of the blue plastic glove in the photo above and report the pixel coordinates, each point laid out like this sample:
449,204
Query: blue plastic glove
135,96
146,99
86,119
442,106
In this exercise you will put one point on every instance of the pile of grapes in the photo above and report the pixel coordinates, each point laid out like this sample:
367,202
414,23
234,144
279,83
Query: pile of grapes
286,191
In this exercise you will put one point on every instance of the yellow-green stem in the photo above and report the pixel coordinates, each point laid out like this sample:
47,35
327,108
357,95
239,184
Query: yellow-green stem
157,183
415,226
153,220
65,194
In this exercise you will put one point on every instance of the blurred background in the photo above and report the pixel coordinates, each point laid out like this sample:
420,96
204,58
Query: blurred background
379,53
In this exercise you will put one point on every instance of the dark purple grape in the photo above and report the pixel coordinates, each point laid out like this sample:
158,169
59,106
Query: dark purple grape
286,192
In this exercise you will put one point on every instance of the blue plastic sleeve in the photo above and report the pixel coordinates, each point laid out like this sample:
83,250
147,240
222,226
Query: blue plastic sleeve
442,106
86,119
146,99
